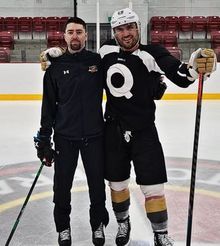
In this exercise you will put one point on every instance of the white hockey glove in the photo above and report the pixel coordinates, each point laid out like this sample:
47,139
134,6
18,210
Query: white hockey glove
53,52
202,61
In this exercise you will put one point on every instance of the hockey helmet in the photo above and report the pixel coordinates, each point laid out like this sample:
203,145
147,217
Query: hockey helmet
124,16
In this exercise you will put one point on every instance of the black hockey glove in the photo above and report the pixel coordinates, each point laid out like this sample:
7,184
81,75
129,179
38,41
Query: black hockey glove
160,90
44,149
159,86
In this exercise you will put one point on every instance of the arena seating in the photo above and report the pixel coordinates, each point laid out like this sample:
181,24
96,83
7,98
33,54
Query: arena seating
32,25
25,27
215,39
63,20
156,37
52,23
185,27
166,38
43,31
171,23
55,38
174,32
217,52
157,23
213,24
170,38
11,25
191,32
43,25
39,27
2,24
199,27
7,39
4,55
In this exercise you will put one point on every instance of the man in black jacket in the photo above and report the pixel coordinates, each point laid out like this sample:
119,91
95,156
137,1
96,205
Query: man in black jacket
72,110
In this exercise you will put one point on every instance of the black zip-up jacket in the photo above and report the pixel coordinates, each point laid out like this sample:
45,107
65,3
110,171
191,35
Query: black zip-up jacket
72,96
132,79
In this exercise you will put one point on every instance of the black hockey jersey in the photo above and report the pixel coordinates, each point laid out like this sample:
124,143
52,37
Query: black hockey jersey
132,79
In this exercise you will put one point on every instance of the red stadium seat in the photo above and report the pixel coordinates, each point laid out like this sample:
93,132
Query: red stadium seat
25,27
4,55
52,23
157,23
39,27
217,52
7,39
156,37
39,24
170,38
2,24
215,39
171,23
213,24
166,38
11,25
55,39
185,27
176,52
199,27
63,21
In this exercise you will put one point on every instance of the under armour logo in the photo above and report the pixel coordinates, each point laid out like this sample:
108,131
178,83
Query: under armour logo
65,72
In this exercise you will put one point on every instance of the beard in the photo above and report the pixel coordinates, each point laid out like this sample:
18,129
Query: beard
75,46
129,44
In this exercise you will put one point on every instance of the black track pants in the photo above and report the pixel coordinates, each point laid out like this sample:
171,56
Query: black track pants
67,153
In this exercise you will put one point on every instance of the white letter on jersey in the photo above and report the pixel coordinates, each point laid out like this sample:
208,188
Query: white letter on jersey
124,90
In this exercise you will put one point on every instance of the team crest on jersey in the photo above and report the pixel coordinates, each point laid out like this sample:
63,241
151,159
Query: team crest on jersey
93,69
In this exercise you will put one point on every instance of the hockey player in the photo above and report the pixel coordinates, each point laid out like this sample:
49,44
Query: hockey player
133,81
72,108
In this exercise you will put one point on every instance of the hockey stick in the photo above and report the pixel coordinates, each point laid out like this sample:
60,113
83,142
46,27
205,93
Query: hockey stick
194,159
24,205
